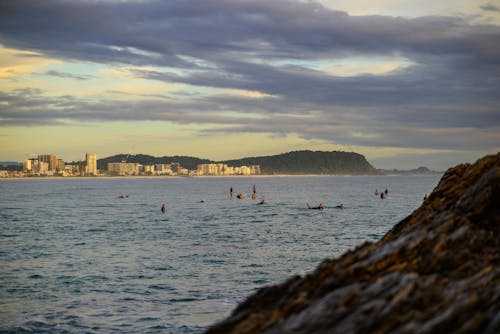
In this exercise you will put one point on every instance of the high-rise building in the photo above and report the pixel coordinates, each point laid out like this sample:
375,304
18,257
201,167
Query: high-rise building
27,165
42,167
50,159
91,163
60,165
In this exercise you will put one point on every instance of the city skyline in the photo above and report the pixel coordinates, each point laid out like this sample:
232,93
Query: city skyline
405,83
50,165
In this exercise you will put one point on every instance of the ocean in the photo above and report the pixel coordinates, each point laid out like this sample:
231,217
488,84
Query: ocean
75,257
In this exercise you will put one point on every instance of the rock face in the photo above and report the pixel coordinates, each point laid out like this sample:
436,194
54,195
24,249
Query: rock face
437,271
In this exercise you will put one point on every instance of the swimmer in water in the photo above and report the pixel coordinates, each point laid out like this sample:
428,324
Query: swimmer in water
254,193
319,207
163,208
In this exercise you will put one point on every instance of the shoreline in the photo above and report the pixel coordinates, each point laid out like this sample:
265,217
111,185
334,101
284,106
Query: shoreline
203,176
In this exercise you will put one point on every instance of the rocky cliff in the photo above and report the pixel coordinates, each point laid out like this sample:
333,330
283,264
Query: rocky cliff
437,271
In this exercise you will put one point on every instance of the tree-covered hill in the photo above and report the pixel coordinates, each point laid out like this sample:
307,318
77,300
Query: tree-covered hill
187,162
310,162
297,162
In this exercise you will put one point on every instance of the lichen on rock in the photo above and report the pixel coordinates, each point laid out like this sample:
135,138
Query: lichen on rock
437,271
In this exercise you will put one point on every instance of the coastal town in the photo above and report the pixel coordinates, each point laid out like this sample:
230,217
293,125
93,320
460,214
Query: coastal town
47,165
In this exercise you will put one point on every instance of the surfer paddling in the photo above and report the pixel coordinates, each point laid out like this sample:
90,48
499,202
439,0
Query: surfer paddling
319,207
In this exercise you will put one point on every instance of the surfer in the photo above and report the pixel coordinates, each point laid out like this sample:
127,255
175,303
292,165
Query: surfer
163,208
241,196
340,206
263,201
319,207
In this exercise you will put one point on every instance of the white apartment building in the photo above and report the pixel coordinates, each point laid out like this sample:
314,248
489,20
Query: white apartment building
164,169
123,168
213,169
223,169
149,169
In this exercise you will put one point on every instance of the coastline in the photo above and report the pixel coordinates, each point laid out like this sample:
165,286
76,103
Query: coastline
202,176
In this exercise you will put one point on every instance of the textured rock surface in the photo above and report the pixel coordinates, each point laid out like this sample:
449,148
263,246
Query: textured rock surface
437,271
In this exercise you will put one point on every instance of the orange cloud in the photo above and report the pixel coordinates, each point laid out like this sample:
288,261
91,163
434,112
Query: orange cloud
15,63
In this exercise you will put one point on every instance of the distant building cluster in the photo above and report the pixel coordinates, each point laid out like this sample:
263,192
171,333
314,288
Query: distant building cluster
130,168
173,169
223,170
50,165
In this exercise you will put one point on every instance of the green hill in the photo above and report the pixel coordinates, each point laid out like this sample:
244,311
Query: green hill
309,162
187,162
297,162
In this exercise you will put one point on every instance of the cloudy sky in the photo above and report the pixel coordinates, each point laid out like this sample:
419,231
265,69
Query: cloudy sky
404,82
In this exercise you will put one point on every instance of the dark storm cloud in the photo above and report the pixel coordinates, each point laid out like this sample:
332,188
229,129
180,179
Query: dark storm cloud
161,32
452,80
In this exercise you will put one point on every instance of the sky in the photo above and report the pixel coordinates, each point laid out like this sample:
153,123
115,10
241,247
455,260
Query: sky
405,83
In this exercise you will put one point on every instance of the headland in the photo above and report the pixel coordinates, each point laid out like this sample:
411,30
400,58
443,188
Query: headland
436,271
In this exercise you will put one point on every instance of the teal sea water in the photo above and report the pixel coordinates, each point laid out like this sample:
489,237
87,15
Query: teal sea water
75,258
